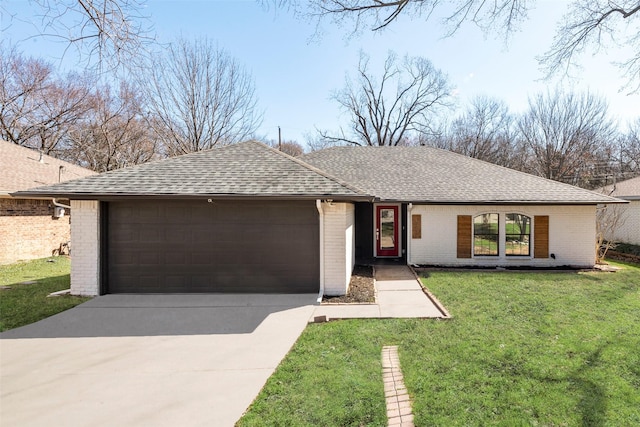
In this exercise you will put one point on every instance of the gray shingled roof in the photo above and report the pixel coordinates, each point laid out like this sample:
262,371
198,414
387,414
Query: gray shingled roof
251,169
629,189
245,169
22,168
425,174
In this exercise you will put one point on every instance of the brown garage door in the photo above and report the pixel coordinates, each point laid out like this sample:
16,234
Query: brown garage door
224,246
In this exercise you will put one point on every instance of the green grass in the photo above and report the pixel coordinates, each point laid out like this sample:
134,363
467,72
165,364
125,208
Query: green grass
523,349
332,377
22,304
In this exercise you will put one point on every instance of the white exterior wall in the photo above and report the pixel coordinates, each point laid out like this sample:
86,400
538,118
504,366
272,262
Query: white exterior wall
571,236
339,247
629,230
85,247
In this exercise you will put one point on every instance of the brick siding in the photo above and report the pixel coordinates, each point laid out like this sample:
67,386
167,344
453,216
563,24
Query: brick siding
571,236
28,229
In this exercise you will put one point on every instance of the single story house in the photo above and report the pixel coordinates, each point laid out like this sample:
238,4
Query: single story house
248,218
628,231
32,227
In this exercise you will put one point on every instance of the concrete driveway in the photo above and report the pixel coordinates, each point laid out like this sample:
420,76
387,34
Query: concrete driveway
131,360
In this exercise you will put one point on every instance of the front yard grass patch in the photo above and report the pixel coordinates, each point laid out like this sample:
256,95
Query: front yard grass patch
522,349
24,287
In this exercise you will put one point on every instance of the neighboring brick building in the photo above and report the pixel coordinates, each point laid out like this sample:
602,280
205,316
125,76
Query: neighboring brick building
32,228
629,230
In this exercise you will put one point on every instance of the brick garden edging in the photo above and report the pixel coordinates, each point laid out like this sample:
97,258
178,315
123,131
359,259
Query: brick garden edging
395,393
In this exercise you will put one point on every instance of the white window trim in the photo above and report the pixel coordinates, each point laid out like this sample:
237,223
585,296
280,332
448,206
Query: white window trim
502,235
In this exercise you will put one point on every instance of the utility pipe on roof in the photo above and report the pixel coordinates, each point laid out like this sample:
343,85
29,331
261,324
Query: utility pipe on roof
321,217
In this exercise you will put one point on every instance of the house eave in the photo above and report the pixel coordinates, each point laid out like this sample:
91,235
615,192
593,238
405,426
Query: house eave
198,196
20,196
507,202
111,196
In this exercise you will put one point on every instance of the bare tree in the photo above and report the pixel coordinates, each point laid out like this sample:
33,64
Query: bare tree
291,148
620,160
484,131
587,24
596,23
402,103
37,108
378,14
114,132
105,33
566,132
315,142
201,97
609,218
629,155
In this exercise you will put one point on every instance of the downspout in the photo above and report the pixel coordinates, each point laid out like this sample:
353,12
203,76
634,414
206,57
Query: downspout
60,205
321,217
58,211
409,232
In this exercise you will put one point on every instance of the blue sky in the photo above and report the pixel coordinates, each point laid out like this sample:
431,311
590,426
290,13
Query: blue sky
295,75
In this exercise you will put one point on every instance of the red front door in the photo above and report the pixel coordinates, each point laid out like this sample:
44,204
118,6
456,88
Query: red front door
387,241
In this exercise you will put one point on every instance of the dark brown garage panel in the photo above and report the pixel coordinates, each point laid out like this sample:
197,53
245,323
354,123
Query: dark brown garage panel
224,246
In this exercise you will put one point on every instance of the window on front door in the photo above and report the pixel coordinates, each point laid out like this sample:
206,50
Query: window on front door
387,242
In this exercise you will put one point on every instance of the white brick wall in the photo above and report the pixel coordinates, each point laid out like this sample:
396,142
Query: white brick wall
339,247
629,231
85,247
571,236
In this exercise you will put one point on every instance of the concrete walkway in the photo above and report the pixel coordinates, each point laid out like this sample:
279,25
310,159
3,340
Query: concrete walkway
399,295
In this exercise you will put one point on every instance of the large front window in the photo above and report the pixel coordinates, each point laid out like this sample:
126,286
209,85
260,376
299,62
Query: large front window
485,234
517,235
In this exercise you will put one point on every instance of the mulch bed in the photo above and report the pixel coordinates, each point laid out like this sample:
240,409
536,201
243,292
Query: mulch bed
361,288
623,257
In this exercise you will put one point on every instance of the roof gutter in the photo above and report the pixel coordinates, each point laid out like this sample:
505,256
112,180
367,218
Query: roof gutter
510,202
200,196
321,217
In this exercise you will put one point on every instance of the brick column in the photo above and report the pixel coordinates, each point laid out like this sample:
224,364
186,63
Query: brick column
85,247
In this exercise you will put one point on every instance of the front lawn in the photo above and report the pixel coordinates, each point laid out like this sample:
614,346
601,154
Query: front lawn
24,288
547,349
